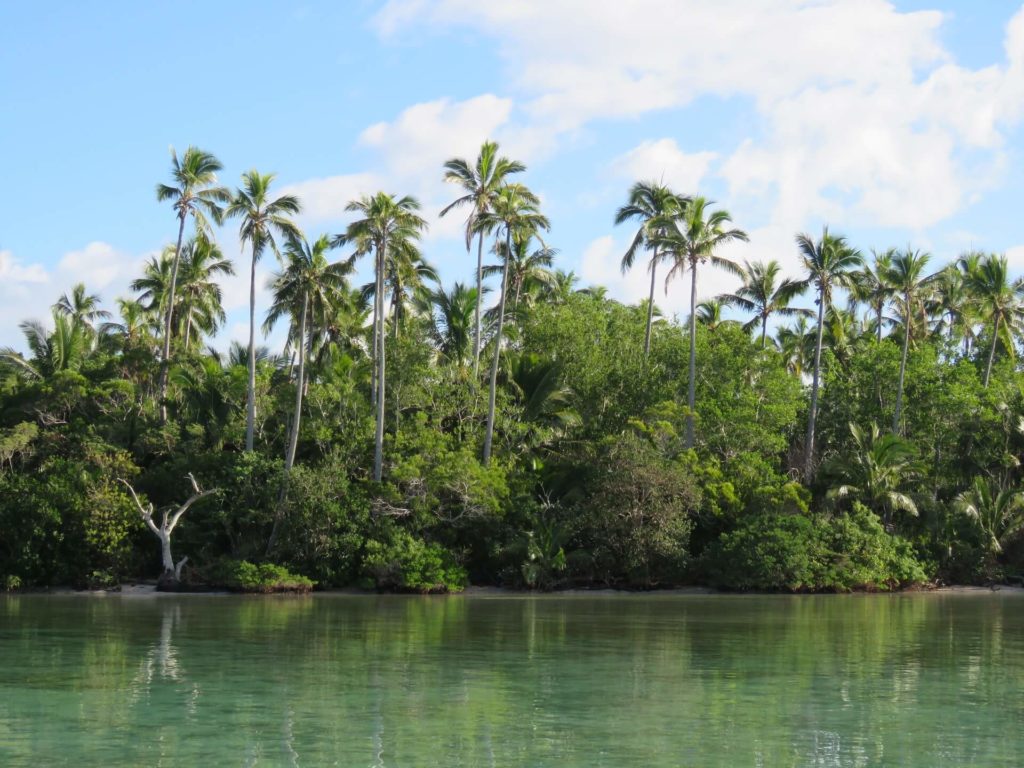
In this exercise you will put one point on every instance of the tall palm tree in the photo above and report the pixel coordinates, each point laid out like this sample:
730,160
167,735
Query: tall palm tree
796,343
999,300
690,238
385,221
875,470
905,275
307,280
261,219
870,285
154,287
516,211
201,263
829,263
765,295
194,193
481,182
82,307
651,204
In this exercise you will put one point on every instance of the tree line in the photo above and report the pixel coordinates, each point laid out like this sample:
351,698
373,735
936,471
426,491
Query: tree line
873,441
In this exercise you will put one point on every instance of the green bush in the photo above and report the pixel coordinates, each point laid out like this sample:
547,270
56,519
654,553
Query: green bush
798,553
265,578
408,564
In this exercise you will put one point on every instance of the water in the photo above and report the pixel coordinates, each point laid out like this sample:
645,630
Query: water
915,680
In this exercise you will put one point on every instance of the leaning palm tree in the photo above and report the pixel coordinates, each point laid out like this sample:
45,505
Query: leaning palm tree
905,275
481,182
651,204
194,193
690,238
999,300
386,221
201,263
262,218
998,511
829,263
875,471
515,211
765,295
82,307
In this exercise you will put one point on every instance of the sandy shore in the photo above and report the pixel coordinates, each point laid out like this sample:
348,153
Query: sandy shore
148,590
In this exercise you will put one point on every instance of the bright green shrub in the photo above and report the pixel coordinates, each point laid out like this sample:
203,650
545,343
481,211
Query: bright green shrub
265,578
407,564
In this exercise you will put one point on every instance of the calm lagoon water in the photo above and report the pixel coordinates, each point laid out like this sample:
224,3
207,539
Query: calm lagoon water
907,680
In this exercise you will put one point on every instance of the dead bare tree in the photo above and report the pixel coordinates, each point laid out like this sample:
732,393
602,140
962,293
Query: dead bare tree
167,525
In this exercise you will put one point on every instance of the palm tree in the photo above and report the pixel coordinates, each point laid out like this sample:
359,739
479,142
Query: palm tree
308,285
63,349
515,210
999,301
870,285
481,183
952,307
904,274
796,343
651,204
528,269
81,307
133,323
452,329
875,470
201,309
998,511
386,220
709,314
194,193
690,238
262,218
828,263
406,279
763,294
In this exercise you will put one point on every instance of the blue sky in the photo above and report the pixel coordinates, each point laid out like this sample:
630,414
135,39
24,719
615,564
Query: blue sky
893,122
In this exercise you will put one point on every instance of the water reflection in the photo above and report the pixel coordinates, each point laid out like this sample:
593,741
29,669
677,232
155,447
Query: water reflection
383,682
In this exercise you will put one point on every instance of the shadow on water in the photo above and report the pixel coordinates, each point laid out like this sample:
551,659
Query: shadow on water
583,681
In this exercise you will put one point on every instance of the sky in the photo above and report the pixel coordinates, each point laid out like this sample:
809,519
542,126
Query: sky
895,123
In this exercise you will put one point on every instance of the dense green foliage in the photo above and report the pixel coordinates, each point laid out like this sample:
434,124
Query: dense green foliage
384,448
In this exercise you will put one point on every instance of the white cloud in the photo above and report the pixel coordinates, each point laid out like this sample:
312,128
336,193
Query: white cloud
663,160
100,266
324,199
864,117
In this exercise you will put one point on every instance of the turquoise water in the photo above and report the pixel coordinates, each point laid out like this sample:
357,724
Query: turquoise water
913,680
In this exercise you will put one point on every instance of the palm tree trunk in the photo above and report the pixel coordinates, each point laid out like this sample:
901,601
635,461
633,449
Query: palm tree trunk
650,305
903,371
992,351
479,301
378,442
691,396
293,440
165,358
493,394
764,331
188,328
250,399
293,435
812,416
878,330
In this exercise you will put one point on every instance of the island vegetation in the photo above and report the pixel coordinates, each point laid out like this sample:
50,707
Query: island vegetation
856,425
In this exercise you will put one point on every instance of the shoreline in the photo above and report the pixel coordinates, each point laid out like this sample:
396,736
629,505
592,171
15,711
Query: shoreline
147,590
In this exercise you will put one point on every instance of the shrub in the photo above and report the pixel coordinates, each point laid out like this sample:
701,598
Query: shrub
264,578
408,564
798,553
